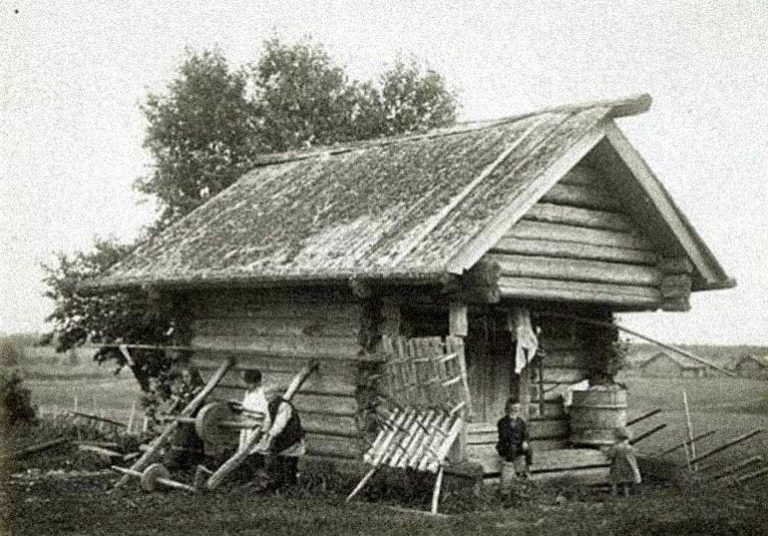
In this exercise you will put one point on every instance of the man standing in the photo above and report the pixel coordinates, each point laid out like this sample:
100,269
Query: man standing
513,437
284,440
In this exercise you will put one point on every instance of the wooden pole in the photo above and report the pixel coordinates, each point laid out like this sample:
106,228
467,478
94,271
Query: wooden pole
98,418
146,458
647,434
36,448
751,476
643,417
131,417
737,467
689,426
684,443
727,445
646,338
436,491
362,483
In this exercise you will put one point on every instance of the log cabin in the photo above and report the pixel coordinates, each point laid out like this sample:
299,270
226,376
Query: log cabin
321,254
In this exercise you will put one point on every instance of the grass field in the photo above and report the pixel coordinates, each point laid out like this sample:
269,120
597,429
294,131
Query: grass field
55,382
732,406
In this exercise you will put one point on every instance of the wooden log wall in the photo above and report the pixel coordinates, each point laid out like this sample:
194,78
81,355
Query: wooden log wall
287,329
578,243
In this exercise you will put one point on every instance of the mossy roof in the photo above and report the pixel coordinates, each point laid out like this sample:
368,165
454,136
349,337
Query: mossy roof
392,209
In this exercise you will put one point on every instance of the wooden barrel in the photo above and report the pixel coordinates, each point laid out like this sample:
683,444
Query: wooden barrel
595,414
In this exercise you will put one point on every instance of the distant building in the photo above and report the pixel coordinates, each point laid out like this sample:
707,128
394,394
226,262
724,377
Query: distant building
752,366
673,365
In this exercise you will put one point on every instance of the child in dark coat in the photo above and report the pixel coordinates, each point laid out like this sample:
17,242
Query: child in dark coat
624,470
513,436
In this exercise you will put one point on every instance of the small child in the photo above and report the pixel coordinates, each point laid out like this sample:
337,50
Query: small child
624,469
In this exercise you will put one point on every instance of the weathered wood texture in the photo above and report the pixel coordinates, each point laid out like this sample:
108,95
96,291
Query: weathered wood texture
287,329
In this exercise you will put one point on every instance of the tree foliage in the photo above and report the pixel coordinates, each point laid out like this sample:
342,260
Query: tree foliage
200,133
203,132
125,317
213,120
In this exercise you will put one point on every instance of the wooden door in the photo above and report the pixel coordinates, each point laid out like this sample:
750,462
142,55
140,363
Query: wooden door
490,356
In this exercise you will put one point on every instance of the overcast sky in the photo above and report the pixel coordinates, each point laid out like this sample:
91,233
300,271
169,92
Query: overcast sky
73,73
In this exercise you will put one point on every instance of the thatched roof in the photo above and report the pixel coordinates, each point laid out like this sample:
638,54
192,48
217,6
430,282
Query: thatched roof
394,209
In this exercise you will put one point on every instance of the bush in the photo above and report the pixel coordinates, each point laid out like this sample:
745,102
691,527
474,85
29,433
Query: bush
15,400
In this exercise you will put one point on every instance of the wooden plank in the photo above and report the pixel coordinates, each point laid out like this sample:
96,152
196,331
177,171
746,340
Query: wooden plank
581,195
580,217
551,289
282,327
576,270
568,233
283,346
574,250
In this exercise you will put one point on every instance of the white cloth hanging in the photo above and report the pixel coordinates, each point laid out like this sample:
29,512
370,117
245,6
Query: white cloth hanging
527,342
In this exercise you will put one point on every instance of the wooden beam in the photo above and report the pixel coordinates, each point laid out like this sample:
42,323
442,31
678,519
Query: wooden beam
496,228
457,322
578,195
569,233
574,250
605,293
580,217
576,270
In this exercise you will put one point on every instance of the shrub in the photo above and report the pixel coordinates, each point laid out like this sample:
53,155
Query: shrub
15,401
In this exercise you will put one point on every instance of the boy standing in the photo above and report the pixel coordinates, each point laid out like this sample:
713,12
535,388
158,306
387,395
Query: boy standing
513,436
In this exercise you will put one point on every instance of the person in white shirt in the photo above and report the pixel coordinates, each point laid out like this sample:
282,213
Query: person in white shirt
254,401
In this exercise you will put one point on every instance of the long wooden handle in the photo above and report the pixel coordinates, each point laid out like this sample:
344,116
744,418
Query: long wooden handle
147,457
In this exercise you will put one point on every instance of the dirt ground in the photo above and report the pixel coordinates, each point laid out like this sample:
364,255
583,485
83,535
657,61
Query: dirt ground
82,503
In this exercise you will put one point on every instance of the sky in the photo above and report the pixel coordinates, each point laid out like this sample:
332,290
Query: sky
72,75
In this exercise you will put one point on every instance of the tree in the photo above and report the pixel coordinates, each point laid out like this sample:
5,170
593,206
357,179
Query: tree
128,316
203,133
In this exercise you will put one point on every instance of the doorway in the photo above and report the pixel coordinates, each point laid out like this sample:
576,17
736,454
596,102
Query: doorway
490,357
